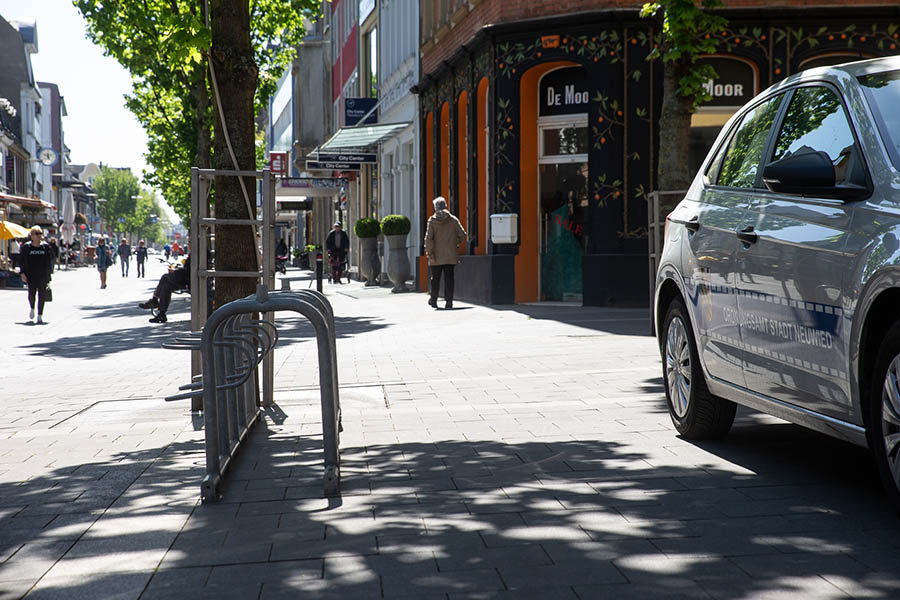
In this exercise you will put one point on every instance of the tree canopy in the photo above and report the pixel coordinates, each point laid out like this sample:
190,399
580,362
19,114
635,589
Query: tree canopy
685,28
117,191
164,44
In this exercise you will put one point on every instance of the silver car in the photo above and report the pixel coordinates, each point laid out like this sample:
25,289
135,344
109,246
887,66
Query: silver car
779,283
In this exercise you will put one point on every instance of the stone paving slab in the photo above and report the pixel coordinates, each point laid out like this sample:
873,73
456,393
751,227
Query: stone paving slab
487,453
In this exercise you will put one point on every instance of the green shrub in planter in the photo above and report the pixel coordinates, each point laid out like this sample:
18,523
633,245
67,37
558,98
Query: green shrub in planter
366,227
395,225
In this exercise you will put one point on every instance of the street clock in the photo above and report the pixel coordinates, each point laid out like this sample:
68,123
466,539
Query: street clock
48,156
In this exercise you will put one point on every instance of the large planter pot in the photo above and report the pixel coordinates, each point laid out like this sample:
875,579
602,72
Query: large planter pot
398,262
369,264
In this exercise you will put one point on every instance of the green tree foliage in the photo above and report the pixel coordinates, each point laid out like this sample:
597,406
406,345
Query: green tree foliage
120,189
165,45
146,221
685,34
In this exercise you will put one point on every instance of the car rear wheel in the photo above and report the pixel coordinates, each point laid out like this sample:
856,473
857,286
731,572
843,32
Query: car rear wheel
696,413
883,428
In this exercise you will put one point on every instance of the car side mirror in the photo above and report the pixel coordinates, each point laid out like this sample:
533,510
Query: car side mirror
808,172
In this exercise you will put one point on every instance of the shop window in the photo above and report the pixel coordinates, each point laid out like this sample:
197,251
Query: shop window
563,138
557,141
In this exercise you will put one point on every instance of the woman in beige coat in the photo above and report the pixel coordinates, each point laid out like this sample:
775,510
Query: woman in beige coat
442,236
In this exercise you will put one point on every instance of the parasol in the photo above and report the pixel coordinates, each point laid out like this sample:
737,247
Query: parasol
67,230
9,230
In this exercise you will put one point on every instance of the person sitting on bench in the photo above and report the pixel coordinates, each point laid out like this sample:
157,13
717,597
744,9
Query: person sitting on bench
168,283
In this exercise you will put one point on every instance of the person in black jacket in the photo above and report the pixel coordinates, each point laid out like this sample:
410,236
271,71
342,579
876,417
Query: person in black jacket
36,263
337,241
55,248
141,255
168,283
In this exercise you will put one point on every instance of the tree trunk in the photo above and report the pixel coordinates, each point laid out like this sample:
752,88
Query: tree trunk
236,75
200,94
673,172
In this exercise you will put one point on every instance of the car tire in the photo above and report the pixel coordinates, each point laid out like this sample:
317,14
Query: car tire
883,424
696,413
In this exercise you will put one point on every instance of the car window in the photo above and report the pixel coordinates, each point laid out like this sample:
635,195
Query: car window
715,166
816,122
741,161
882,90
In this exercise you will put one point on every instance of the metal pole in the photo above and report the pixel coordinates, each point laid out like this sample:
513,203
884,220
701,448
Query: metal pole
198,284
268,204
319,271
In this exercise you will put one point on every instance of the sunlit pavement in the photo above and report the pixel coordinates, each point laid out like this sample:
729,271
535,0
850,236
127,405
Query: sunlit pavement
520,452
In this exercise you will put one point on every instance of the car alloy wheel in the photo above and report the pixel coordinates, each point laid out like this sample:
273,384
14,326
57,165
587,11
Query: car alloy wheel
890,419
695,412
678,366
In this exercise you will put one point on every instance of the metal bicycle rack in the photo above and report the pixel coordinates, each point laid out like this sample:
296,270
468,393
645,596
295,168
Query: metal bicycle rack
232,346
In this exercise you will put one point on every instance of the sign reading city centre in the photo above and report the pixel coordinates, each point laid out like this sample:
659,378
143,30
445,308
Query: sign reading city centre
364,158
320,165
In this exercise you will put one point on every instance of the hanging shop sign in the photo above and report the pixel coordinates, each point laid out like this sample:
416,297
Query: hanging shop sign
278,163
365,158
318,165
735,85
564,92
357,108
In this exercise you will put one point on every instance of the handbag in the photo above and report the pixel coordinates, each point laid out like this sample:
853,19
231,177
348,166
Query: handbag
48,294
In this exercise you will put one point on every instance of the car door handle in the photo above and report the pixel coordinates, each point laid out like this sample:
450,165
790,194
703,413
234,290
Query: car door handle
747,235
692,224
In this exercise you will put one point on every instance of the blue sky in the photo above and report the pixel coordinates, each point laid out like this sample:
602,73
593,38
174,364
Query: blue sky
98,127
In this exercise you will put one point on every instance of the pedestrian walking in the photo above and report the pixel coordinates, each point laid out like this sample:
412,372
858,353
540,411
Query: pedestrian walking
168,283
54,247
168,250
36,259
443,235
140,255
104,260
337,244
14,249
124,253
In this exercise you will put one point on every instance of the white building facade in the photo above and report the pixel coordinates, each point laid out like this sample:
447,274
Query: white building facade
398,71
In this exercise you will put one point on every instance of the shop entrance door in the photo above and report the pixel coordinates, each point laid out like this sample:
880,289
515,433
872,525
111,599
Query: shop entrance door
563,206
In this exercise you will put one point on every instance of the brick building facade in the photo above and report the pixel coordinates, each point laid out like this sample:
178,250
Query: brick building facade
548,110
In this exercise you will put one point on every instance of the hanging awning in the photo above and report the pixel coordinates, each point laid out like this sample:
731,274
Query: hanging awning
23,201
298,188
360,138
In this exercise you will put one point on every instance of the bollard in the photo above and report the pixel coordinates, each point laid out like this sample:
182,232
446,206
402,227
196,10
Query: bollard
319,271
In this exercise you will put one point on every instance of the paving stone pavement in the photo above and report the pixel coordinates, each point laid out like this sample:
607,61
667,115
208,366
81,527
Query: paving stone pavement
488,453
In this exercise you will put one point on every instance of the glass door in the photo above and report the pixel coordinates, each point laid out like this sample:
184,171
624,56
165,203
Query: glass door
563,206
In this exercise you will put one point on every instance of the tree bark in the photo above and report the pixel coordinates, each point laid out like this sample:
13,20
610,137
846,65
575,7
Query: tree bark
200,93
236,74
673,172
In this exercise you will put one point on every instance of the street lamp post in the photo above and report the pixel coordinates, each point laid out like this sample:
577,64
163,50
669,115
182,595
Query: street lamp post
101,203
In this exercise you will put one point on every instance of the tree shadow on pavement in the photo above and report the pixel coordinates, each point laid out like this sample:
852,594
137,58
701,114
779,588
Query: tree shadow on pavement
106,343
618,321
470,519
292,328
181,304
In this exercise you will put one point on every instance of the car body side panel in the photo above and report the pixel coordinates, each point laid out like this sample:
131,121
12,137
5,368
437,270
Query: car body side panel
789,292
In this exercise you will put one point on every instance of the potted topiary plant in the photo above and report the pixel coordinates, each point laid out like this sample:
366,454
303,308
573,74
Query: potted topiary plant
367,229
395,229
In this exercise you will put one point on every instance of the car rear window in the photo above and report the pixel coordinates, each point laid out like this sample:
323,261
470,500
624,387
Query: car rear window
882,91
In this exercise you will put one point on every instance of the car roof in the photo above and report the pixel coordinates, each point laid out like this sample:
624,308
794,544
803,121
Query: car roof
842,72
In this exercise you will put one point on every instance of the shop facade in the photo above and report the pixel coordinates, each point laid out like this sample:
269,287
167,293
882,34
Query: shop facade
555,120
